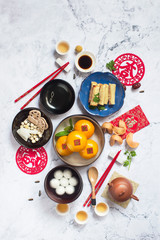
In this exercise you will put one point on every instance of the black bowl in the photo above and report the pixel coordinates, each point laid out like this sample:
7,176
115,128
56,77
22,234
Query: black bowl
20,117
65,198
57,96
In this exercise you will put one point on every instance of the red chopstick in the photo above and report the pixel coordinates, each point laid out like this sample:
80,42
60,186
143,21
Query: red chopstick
60,70
24,94
101,180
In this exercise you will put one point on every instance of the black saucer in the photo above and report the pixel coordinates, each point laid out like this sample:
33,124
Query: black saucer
57,96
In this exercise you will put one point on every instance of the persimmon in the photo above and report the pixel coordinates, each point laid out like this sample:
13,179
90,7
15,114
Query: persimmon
62,147
90,149
85,126
76,141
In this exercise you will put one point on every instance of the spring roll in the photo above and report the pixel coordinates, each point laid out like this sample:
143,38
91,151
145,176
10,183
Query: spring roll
95,94
91,91
112,91
106,94
102,94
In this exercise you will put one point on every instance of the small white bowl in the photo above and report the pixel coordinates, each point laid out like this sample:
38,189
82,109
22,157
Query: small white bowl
81,217
93,61
62,209
101,209
62,47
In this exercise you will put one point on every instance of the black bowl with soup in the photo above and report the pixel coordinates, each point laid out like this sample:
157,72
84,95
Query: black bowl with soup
57,96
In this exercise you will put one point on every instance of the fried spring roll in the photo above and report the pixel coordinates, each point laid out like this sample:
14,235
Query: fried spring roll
112,91
91,91
95,95
106,94
102,94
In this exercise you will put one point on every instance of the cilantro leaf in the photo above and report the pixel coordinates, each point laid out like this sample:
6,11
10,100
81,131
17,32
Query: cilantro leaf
129,154
101,107
126,163
133,153
96,98
110,65
92,107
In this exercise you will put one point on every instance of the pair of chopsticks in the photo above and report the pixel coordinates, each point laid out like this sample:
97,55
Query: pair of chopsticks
101,180
53,75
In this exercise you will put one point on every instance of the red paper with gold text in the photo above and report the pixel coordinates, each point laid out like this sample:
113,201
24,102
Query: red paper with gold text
135,120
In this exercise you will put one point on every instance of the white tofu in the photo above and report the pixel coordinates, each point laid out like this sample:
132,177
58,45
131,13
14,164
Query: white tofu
120,158
24,133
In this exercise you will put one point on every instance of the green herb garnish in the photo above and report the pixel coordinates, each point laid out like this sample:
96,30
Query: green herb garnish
62,133
101,107
130,155
66,130
92,107
96,98
110,65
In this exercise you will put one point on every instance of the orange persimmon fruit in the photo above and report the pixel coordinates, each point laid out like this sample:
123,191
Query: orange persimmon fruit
85,126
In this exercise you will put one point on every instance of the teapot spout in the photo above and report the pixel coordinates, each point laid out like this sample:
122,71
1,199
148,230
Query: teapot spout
110,184
134,197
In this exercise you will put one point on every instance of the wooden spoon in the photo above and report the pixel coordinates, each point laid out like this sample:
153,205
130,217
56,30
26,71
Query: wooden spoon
93,176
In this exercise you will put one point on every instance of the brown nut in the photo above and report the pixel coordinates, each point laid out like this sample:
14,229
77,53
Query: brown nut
130,142
107,127
136,85
115,138
78,48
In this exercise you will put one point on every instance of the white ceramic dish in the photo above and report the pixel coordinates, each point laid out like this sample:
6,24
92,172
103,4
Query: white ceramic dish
101,209
64,45
83,214
85,53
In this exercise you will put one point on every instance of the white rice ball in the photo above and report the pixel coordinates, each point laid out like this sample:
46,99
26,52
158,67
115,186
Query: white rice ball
73,181
64,182
70,189
54,183
58,174
60,190
67,173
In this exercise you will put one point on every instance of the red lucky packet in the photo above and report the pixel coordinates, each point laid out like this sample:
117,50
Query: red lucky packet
134,119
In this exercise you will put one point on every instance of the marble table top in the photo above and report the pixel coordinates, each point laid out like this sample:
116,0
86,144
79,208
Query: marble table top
29,32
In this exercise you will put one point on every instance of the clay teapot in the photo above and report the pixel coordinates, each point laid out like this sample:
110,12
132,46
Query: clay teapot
121,189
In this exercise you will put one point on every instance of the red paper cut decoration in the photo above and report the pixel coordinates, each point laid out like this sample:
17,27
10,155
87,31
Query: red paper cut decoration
31,161
130,69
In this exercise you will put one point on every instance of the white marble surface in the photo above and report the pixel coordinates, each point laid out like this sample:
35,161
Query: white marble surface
29,31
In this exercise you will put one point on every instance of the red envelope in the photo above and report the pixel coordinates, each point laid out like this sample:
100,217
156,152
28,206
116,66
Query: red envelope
135,120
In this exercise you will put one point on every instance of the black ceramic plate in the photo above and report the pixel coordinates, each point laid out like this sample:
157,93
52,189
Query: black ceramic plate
65,198
57,96
20,117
